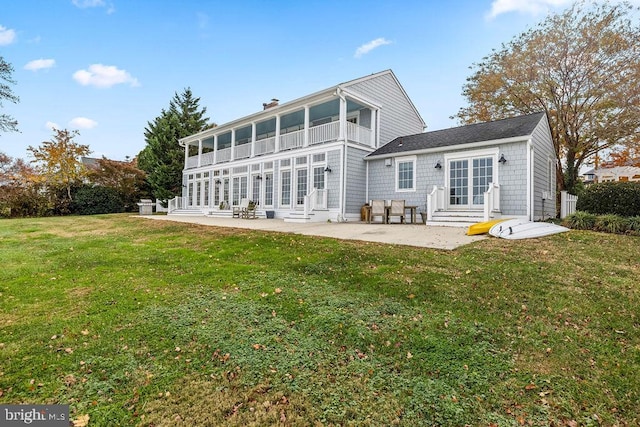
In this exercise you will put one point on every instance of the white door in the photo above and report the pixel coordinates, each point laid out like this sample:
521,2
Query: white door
468,180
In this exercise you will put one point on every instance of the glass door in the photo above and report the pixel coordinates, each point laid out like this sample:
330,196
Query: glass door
468,180
301,186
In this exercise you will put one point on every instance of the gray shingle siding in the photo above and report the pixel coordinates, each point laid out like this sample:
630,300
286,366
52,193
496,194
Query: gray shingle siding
333,179
544,156
356,180
513,179
397,116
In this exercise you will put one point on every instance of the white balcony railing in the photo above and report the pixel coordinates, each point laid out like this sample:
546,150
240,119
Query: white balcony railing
320,134
207,159
292,140
323,133
192,162
358,134
224,155
242,151
265,146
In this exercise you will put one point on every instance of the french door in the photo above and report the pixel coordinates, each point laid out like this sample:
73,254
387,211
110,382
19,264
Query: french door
469,178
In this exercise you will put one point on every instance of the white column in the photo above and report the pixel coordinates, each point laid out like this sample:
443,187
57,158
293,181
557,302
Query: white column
199,152
233,144
186,155
253,139
343,119
306,126
277,133
215,148
374,131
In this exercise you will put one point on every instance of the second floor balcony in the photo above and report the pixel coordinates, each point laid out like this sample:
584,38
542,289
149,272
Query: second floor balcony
333,119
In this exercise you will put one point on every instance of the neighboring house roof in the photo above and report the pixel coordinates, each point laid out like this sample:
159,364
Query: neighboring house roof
489,131
90,162
617,172
292,105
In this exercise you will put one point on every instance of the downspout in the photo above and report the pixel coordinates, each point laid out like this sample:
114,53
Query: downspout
343,160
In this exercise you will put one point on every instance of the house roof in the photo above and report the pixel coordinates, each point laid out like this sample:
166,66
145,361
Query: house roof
520,126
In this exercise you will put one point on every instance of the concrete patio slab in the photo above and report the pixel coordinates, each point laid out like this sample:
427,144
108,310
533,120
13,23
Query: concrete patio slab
418,235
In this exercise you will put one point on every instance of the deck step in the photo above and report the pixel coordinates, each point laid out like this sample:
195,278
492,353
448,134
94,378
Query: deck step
187,212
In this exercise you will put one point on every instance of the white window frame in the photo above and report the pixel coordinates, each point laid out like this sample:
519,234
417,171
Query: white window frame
413,161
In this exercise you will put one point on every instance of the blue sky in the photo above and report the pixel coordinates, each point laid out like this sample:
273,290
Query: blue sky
107,67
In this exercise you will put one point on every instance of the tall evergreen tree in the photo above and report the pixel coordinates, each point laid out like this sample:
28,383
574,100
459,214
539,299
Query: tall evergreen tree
162,158
7,123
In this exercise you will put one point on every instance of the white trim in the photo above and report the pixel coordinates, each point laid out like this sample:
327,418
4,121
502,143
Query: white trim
408,159
470,155
457,147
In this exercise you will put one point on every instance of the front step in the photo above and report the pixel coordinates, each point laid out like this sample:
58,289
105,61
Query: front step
187,212
457,218
313,216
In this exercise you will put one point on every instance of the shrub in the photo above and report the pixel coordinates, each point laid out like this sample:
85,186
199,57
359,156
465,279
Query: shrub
634,224
89,200
618,198
580,221
611,224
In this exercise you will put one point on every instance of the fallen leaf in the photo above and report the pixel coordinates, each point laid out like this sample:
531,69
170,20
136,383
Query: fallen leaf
85,332
530,387
278,291
68,350
409,355
81,421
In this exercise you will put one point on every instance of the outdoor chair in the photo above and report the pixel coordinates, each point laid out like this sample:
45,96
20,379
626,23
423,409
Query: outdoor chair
378,209
238,211
397,209
250,211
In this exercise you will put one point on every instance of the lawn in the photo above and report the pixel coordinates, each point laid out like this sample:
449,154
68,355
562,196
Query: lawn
138,322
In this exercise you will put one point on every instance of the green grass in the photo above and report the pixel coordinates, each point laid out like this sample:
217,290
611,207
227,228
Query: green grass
138,322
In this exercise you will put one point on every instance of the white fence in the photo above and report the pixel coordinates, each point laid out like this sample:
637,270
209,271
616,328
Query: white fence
567,204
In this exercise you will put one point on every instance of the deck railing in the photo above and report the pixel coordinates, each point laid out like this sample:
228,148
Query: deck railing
292,140
177,202
242,151
435,201
207,158
323,133
265,146
358,134
491,201
316,199
224,155
320,134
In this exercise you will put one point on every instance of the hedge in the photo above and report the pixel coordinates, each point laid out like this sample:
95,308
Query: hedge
617,198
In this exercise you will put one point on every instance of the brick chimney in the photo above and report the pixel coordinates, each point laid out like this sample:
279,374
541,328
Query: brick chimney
273,103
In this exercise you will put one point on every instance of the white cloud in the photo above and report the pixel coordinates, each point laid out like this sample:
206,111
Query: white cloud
532,7
7,36
368,47
82,123
51,126
104,76
40,64
84,4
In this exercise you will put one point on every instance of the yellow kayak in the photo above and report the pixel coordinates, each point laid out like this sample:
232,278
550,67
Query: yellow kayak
483,227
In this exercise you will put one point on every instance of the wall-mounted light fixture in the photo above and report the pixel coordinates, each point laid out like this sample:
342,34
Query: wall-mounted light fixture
259,177
218,182
502,159
327,169
387,162
438,165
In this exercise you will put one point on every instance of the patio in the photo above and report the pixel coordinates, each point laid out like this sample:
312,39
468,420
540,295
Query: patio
417,235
